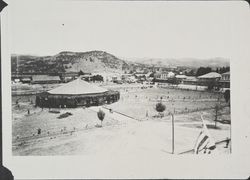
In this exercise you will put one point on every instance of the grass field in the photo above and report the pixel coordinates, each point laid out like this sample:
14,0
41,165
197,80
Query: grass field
177,101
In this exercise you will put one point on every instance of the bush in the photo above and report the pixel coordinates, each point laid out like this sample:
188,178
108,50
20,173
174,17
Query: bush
101,115
64,115
54,111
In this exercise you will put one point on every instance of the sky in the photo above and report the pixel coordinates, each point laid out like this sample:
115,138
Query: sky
132,29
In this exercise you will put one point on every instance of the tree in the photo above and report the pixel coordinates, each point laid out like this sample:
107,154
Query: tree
39,131
160,108
190,73
224,69
101,115
217,113
203,70
211,85
97,78
227,96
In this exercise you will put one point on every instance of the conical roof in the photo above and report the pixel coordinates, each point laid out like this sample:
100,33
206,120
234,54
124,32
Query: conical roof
77,86
210,75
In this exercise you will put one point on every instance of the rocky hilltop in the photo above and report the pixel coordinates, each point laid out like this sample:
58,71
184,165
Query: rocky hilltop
66,61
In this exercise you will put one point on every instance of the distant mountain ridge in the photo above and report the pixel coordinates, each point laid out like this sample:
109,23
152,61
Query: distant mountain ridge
184,62
100,61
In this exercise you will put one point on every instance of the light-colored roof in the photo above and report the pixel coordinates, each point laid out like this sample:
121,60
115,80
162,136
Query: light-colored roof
140,74
181,76
77,86
226,73
86,75
191,78
26,79
210,75
45,78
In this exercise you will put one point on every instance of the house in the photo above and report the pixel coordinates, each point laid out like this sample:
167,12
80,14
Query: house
210,76
224,82
69,76
190,80
126,77
180,78
20,78
140,76
45,79
209,79
225,76
157,75
164,75
26,80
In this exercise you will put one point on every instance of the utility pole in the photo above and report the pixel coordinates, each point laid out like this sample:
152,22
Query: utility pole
172,133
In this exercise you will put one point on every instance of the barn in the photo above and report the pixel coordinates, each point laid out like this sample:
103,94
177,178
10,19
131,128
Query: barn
76,93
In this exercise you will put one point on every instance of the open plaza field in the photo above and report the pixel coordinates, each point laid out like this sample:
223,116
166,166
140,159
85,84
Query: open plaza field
132,126
140,102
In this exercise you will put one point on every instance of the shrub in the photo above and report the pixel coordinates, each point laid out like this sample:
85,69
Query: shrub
101,115
227,95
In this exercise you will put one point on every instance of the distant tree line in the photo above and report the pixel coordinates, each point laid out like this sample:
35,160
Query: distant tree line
222,70
204,70
190,73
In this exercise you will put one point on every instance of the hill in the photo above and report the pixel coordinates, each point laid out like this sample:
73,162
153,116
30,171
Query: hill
66,61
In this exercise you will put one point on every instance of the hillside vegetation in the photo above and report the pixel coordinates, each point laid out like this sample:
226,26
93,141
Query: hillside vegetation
92,61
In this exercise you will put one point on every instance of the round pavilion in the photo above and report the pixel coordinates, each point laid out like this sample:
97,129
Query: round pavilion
76,93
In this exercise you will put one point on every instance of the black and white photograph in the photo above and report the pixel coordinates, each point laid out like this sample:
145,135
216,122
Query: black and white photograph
111,79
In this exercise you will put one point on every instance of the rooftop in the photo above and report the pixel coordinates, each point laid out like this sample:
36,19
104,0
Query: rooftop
77,86
181,76
226,73
210,75
45,78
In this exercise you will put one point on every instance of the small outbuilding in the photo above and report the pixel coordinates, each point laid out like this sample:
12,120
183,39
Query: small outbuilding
180,78
45,79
